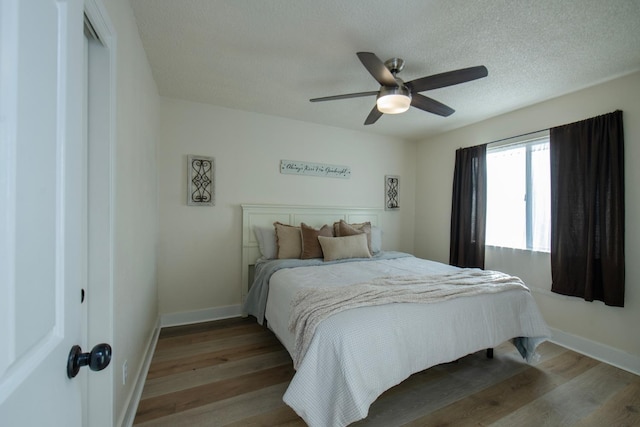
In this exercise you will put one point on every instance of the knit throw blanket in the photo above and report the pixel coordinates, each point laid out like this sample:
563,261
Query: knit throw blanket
312,305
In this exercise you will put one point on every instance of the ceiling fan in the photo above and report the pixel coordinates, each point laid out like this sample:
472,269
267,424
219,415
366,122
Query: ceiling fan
395,96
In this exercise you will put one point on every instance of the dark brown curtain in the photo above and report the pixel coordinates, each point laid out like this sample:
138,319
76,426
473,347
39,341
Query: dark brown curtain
469,207
587,209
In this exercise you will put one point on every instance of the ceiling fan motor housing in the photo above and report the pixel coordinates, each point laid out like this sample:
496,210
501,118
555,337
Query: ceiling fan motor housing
395,65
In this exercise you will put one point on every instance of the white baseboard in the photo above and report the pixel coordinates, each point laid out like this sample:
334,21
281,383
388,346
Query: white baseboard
598,351
134,399
198,316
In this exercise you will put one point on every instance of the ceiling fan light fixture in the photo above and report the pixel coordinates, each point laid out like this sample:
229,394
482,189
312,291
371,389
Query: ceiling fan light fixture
393,100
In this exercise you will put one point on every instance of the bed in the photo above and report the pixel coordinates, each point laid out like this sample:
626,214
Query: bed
347,350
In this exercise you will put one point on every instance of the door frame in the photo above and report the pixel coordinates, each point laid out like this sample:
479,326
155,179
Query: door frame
100,410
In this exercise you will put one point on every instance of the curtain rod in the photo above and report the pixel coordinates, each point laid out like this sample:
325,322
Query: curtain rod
537,131
518,136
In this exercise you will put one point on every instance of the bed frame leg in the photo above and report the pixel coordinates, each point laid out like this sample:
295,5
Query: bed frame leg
489,353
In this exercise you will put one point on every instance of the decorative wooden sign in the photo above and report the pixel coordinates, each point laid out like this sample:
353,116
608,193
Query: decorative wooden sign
315,169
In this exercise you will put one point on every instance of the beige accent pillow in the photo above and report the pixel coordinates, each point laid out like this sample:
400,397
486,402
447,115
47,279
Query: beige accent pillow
289,239
310,245
336,226
345,229
335,248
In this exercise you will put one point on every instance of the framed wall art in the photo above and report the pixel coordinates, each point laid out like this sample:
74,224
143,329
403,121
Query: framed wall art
200,181
391,192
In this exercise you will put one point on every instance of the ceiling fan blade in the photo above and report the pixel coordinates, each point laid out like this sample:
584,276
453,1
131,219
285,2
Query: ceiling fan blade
447,79
373,116
376,67
345,96
431,105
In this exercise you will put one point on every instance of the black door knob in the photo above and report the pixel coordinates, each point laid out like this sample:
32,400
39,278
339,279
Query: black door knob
97,360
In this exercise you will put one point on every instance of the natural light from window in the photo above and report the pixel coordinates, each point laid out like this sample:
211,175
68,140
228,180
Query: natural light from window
519,196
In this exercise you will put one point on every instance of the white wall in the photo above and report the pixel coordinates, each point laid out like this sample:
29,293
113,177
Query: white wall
200,247
135,234
607,332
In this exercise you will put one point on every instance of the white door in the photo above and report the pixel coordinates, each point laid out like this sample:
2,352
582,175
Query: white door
42,210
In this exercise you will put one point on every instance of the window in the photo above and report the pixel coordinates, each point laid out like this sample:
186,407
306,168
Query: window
519,195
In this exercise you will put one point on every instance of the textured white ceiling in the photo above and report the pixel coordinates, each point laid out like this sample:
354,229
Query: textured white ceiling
272,56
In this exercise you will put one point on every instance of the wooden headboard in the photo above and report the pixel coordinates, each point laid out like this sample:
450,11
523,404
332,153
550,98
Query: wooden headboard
315,216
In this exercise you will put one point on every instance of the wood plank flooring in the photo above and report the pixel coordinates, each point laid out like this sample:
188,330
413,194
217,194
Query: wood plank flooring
234,372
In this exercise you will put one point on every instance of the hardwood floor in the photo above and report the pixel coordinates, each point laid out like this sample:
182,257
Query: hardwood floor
234,372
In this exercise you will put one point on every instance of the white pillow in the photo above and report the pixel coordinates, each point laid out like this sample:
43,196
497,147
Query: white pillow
376,239
266,237
335,248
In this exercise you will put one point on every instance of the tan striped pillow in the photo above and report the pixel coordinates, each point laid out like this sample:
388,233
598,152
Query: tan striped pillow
335,248
345,229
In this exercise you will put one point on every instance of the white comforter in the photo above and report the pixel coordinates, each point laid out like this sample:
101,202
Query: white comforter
357,354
